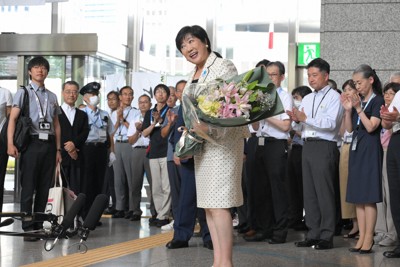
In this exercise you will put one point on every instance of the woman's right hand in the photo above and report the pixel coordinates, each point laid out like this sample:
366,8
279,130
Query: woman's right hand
346,102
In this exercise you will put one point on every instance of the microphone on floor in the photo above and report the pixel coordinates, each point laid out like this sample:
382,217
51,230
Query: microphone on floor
93,217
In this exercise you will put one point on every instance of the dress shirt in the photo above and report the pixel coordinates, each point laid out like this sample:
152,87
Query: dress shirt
269,130
128,114
395,103
324,114
69,111
52,108
99,121
142,141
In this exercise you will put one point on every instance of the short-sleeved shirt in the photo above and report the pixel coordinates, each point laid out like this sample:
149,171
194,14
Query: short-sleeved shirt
158,145
128,114
5,101
43,105
142,141
270,130
99,124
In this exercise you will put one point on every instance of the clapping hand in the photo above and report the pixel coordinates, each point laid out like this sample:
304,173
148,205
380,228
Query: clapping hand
389,116
346,102
171,117
296,114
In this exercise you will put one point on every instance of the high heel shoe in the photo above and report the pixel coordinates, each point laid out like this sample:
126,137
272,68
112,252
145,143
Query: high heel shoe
353,235
354,249
367,251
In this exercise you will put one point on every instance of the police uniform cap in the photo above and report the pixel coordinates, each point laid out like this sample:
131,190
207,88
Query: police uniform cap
92,87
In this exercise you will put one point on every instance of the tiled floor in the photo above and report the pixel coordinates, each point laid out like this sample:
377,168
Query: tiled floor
15,252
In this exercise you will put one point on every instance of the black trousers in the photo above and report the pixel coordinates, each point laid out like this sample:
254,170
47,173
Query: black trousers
108,187
275,169
71,175
3,168
37,167
262,212
393,171
94,169
320,166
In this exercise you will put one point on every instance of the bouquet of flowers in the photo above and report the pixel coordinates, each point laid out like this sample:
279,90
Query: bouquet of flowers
241,100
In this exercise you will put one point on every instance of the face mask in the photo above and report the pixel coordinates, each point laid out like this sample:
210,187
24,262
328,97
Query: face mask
94,100
297,103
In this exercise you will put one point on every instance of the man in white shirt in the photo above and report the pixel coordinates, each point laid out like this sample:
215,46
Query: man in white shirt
391,120
140,163
74,132
275,133
320,113
5,108
123,165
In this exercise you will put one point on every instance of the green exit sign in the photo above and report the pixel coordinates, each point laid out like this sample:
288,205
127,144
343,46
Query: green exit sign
306,52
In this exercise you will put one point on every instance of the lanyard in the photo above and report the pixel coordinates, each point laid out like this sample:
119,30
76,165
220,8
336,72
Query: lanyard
42,110
315,114
120,126
97,118
369,100
162,114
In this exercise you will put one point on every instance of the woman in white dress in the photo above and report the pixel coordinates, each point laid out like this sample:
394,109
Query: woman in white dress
218,169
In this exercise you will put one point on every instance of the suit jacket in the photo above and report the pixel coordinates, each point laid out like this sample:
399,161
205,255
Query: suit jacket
77,133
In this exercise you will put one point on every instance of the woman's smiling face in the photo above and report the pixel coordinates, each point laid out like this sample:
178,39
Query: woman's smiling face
194,50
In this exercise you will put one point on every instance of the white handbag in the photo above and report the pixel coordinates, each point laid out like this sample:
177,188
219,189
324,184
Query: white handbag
55,200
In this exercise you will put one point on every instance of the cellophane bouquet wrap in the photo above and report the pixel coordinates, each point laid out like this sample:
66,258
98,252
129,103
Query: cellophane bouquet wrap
241,100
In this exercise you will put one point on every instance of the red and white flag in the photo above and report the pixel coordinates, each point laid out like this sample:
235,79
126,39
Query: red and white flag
271,35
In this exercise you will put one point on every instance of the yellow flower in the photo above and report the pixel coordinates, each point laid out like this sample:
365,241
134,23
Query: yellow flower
209,108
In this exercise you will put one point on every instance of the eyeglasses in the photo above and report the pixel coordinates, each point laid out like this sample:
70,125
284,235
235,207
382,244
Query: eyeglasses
71,92
112,99
273,74
389,93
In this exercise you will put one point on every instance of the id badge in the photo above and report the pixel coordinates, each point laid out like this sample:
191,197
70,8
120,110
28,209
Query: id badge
43,136
309,132
261,141
102,133
354,144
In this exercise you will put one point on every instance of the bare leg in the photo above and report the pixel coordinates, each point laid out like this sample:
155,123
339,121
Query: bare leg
370,221
360,210
221,230
355,226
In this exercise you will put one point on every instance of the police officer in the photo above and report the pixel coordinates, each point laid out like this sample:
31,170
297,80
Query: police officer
95,151
38,161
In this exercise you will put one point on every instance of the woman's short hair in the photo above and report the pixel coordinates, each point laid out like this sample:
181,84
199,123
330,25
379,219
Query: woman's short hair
197,32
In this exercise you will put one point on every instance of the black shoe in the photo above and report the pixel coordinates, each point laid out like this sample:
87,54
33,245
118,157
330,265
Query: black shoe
110,211
353,235
136,217
118,214
243,230
196,234
392,254
99,223
153,222
128,215
173,244
323,244
338,230
275,240
367,251
209,245
306,243
257,237
162,222
354,249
